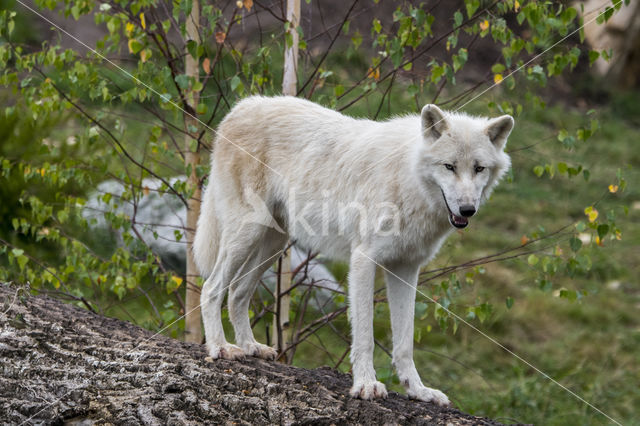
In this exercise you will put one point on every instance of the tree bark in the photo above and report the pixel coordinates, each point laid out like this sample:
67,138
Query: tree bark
64,364
193,324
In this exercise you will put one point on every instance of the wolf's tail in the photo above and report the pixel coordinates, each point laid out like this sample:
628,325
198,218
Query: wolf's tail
205,243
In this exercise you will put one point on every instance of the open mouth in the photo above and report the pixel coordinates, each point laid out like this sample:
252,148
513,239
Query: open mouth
455,220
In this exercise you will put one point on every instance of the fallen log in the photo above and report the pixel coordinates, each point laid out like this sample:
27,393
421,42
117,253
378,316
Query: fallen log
63,364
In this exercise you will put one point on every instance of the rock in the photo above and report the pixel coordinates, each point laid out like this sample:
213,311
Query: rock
160,215
68,365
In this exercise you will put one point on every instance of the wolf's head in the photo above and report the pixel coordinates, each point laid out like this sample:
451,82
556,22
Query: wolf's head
463,158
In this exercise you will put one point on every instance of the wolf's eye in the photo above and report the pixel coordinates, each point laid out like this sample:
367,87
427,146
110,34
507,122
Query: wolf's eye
479,169
450,167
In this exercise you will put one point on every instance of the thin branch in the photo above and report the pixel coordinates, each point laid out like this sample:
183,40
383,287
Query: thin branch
112,136
326,52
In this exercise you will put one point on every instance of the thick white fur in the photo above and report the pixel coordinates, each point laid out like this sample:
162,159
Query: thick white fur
353,189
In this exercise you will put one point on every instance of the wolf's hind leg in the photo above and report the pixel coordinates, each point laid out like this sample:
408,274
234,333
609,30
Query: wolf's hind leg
244,285
236,245
401,292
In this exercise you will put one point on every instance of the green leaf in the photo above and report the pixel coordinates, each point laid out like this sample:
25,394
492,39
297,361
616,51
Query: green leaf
603,229
562,167
63,215
192,48
571,295
538,170
532,259
509,302
131,282
135,46
197,86
377,26
460,59
193,145
497,68
575,244
472,6
458,18
437,72
236,84
183,81
22,261
356,39
546,285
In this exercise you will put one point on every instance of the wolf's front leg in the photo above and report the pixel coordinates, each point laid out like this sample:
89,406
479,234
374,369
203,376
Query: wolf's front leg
401,292
362,273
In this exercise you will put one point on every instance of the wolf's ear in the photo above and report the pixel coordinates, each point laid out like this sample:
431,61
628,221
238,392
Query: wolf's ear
433,121
499,129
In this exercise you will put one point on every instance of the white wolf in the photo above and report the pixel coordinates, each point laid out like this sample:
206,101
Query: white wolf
373,193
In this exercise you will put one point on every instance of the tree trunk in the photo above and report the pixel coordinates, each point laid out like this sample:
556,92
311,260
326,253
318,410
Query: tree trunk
193,325
64,364
290,75
282,334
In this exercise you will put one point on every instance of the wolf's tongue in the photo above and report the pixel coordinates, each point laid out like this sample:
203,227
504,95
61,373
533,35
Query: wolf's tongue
458,221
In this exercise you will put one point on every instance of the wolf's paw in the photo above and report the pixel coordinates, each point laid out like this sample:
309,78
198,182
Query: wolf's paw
259,350
226,351
368,390
429,395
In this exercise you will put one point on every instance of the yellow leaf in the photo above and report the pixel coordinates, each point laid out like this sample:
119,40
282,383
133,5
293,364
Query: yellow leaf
130,45
144,55
516,6
374,73
42,171
618,235
598,241
206,65
498,78
558,251
484,25
613,189
591,213
129,27
239,4
248,4
524,240
177,280
145,190
142,21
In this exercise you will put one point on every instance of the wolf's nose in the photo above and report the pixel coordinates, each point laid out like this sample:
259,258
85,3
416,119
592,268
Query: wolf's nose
467,210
